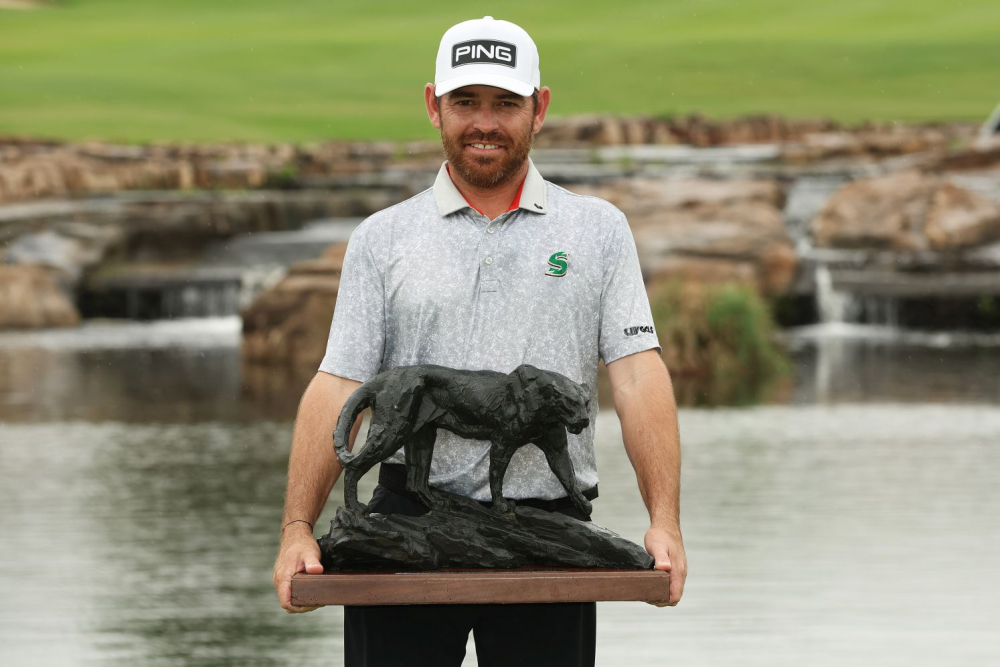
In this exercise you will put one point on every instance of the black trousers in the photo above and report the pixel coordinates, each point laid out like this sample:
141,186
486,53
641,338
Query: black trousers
508,635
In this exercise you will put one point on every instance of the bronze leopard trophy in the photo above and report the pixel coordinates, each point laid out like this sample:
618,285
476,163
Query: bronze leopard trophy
409,404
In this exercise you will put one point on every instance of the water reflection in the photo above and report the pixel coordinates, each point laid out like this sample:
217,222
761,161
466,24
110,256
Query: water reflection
847,364
183,371
191,371
142,486
151,544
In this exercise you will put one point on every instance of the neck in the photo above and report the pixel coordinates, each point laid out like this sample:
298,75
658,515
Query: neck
495,201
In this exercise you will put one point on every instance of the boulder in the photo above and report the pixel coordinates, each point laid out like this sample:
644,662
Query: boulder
906,211
959,218
719,251
31,299
289,324
708,230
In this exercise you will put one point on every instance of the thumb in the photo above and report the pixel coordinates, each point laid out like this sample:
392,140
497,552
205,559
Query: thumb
313,566
662,562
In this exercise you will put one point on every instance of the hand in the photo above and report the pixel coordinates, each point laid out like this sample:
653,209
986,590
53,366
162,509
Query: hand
667,549
299,552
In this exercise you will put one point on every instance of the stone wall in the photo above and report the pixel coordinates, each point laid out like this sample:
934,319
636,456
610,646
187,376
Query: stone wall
33,169
803,140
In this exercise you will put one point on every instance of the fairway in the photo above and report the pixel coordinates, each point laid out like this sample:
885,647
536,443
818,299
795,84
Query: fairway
306,70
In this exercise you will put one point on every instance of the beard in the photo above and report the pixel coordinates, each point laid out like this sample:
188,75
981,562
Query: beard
487,171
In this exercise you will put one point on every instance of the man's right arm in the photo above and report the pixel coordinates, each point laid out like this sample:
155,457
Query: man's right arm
312,471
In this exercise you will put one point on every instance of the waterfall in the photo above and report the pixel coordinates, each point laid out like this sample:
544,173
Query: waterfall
832,306
839,306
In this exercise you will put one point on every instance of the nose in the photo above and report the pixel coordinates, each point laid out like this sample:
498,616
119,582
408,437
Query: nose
485,119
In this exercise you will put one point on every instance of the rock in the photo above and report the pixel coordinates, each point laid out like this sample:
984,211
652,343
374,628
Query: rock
232,173
661,134
31,169
762,258
289,324
699,193
636,131
906,211
708,230
984,155
695,269
31,299
609,132
467,535
959,218
879,213
873,143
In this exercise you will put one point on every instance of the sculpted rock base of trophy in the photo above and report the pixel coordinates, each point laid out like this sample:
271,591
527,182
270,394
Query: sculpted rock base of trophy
461,533
511,410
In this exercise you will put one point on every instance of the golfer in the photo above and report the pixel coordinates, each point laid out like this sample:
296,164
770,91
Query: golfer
490,268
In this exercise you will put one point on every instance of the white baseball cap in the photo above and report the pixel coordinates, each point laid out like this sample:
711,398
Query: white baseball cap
487,52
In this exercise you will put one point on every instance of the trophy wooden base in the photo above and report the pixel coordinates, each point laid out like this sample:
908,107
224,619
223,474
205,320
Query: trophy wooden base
495,586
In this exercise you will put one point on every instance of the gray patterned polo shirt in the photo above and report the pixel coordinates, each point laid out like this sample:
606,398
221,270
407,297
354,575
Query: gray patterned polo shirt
554,283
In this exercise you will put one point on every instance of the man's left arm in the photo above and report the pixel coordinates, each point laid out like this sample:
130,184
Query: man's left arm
644,401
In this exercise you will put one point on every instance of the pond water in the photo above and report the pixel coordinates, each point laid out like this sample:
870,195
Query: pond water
856,519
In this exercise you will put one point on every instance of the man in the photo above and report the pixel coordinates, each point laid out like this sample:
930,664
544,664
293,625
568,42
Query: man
490,268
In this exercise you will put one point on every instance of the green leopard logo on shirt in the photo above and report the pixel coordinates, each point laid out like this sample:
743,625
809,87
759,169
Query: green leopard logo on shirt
558,264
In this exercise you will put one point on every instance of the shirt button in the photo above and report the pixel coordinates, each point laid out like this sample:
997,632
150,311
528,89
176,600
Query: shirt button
490,230
489,260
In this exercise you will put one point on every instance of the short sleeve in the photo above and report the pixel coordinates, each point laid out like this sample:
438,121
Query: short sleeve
356,345
626,320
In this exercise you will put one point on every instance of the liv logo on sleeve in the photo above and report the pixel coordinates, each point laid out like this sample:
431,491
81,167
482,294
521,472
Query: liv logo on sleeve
558,264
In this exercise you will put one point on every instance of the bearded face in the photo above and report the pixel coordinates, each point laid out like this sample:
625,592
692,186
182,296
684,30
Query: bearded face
506,147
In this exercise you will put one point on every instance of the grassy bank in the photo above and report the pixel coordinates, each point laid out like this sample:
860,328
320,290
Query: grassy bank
264,71
718,342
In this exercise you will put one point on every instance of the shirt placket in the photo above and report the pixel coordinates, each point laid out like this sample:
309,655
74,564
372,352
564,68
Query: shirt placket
490,259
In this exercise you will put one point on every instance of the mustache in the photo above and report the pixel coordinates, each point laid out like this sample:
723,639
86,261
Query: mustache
485,138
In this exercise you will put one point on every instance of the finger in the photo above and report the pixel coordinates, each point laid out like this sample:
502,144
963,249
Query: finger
676,587
659,603
660,553
285,592
292,609
662,562
313,566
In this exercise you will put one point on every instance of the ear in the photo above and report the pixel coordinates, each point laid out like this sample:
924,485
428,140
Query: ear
526,373
433,111
544,97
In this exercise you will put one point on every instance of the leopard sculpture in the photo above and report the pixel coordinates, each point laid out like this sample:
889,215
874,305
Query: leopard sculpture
409,404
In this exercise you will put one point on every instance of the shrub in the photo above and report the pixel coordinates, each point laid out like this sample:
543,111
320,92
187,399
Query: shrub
718,341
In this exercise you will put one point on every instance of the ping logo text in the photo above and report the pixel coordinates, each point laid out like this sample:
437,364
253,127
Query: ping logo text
484,51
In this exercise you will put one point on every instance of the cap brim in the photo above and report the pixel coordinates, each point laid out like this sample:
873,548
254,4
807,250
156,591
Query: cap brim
496,80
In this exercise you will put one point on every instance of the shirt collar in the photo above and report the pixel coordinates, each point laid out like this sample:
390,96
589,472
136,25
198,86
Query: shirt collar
449,199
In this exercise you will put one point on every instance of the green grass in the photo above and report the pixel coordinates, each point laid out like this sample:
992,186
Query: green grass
204,70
